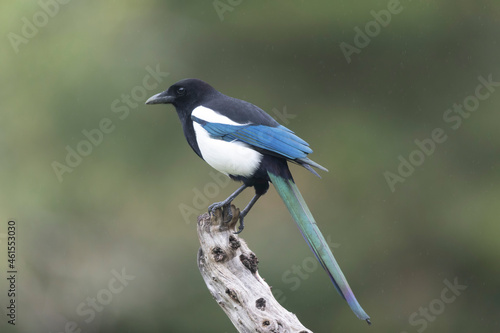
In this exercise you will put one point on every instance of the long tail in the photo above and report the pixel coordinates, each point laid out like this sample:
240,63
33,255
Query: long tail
295,203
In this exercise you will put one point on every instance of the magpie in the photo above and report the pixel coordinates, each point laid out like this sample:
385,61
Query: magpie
243,142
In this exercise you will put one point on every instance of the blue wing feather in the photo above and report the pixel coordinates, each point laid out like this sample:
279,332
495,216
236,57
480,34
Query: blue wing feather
279,140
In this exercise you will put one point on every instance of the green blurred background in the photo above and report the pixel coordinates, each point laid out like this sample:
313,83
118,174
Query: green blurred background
120,207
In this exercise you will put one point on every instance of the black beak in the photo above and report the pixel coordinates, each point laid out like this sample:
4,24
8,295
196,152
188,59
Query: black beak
161,98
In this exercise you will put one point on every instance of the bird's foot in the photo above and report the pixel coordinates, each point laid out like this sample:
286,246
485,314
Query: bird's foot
241,226
213,207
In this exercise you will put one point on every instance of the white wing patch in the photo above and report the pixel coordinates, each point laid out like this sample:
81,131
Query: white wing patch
231,158
211,116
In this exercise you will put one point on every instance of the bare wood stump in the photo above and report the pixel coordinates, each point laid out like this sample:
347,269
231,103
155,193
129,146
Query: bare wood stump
229,269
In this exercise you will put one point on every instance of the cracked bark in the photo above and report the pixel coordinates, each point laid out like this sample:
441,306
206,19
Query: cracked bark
229,269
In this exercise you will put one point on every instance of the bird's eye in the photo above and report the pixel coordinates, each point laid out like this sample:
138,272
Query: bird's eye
181,91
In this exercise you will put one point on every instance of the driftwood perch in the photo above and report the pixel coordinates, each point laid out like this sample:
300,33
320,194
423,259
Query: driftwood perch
229,269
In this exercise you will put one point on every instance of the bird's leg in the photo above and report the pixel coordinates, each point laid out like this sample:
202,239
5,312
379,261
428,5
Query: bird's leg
245,211
233,196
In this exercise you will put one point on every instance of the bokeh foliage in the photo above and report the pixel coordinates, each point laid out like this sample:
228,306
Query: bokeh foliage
120,206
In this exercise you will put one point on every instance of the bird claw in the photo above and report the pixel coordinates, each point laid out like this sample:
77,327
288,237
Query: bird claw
229,215
241,226
213,207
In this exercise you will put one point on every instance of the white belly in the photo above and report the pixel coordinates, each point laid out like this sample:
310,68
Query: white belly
230,158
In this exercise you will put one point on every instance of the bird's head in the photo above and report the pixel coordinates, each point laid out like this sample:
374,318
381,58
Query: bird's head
184,95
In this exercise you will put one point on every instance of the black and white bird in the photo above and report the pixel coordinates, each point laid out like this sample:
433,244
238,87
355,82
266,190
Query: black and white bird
243,142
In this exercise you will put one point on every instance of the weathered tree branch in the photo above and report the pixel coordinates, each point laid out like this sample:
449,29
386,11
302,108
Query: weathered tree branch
229,269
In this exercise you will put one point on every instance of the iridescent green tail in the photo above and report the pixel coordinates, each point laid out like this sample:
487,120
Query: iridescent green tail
295,203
